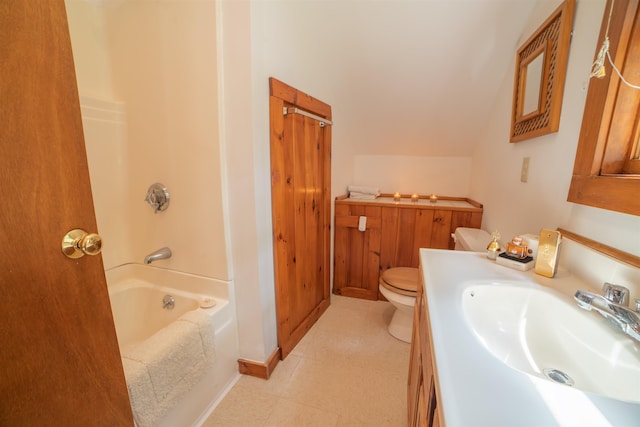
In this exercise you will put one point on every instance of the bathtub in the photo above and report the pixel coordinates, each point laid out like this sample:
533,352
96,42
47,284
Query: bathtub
139,310
136,293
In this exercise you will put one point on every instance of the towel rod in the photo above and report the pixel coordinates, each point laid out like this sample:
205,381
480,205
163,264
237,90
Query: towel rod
294,110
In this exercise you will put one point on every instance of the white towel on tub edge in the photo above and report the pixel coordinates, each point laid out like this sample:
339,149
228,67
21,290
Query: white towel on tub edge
160,370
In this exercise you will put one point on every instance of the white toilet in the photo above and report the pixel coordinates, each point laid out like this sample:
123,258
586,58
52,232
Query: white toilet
399,284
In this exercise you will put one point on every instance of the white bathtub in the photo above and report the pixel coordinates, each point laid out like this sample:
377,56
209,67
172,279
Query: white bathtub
136,293
138,310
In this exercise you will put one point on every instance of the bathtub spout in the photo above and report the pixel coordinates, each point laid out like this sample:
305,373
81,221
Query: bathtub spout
163,253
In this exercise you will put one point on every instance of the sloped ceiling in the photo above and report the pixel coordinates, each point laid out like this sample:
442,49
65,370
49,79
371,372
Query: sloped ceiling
404,77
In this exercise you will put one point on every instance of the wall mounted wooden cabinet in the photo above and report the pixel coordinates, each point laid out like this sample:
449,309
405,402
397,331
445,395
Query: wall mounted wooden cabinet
394,232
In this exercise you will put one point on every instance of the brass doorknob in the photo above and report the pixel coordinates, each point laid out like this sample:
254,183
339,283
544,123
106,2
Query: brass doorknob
78,243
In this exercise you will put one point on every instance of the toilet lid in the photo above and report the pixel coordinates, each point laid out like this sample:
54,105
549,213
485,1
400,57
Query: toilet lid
403,280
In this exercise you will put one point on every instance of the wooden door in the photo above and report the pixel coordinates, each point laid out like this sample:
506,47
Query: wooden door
301,208
59,358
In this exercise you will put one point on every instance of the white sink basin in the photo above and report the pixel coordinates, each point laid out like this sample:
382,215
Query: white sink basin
545,335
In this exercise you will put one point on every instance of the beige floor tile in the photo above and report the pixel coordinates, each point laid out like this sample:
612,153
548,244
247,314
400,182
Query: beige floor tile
347,371
291,414
244,407
276,385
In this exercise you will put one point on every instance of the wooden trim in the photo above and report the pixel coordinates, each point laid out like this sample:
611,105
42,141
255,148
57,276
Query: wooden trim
353,292
299,99
588,185
477,206
615,193
258,369
614,253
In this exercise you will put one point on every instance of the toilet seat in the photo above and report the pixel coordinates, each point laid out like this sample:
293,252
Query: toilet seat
401,280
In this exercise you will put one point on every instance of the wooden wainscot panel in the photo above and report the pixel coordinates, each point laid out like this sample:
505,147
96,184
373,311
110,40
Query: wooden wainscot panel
356,253
423,231
405,237
395,233
441,233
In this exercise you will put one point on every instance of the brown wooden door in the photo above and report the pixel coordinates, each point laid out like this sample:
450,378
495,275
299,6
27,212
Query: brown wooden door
301,208
59,358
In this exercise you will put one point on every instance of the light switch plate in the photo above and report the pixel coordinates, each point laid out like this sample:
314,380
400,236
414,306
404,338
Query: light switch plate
524,172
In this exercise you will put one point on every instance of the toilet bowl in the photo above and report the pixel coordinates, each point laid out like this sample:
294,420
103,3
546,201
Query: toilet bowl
399,284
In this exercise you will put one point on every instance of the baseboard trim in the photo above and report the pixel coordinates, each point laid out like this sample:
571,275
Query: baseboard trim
258,369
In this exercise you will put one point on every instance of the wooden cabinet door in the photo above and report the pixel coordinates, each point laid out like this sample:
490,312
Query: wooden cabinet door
435,421
356,253
425,351
415,384
441,231
421,396
406,230
422,413
59,358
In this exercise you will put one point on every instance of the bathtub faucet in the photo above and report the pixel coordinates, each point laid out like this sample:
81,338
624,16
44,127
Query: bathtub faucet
163,253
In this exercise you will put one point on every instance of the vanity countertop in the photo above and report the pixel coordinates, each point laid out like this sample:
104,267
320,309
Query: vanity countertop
474,387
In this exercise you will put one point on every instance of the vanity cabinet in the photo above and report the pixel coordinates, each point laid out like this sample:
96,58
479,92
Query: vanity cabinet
422,403
393,234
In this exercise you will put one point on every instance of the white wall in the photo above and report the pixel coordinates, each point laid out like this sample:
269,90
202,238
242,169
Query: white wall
90,49
447,176
105,131
246,198
514,207
159,59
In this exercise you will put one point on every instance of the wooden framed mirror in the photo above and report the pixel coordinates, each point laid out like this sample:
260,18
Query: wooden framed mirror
541,66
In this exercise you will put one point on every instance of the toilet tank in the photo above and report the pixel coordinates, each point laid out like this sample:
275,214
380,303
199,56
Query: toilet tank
471,239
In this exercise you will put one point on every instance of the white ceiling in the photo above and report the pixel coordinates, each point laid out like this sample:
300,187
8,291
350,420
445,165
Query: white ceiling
404,77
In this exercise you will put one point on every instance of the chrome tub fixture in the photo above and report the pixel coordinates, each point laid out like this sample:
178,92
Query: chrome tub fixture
157,197
163,253
621,317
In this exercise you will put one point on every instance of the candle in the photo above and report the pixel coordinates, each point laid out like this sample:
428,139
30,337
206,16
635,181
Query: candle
433,198
396,197
414,197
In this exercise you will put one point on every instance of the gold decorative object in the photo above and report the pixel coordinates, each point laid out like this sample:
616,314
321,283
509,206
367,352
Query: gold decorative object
494,248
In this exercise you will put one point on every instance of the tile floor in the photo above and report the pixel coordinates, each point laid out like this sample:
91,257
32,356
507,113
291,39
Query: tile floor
347,371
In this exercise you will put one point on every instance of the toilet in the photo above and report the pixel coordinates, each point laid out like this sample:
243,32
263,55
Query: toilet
399,284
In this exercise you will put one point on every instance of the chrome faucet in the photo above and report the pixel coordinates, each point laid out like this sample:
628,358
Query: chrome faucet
621,317
162,253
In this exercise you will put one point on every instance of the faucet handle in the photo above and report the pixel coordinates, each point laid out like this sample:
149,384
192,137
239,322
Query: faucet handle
616,294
